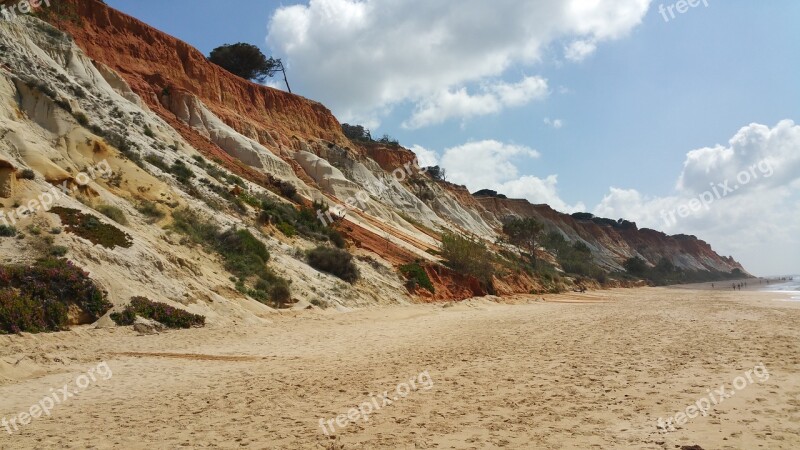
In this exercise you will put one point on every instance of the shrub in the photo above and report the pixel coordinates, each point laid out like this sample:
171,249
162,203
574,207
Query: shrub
287,229
113,213
27,174
90,228
468,256
181,172
335,262
149,132
7,231
198,230
304,220
573,258
280,292
287,190
160,312
157,161
37,298
250,200
21,313
320,303
416,273
243,254
125,318
635,266
58,251
150,210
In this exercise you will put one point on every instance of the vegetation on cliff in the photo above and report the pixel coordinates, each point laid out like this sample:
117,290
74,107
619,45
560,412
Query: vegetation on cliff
39,297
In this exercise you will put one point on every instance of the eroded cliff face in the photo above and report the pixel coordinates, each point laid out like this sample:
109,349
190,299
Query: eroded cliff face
121,93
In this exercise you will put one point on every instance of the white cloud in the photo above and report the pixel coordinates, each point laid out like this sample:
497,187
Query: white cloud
364,57
537,191
579,50
758,222
494,98
425,157
554,123
491,165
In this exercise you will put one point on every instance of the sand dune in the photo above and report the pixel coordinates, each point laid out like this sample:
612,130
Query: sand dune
593,370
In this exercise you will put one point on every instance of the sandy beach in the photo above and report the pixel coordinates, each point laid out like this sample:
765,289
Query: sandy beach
594,370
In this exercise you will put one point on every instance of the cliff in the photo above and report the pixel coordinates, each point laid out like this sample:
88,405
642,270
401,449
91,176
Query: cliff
175,133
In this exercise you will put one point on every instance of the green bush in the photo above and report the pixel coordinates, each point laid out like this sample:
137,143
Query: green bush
335,262
197,229
635,266
304,221
181,172
150,210
574,258
157,161
58,251
36,298
468,256
21,313
160,312
7,231
280,292
125,318
27,174
243,255
113,213
287,229
417,273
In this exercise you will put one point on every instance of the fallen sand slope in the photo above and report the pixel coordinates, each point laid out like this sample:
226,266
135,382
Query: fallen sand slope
527,375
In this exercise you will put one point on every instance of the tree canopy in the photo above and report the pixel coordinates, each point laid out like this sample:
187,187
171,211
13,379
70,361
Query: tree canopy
524,233
246,61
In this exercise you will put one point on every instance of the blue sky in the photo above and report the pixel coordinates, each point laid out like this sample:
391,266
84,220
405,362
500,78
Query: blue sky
631,110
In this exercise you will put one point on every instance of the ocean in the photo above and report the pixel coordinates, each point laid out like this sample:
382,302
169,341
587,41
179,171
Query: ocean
792,286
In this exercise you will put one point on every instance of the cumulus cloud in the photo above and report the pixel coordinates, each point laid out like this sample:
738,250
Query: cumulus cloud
579,50
493,99
744,197
537,191
425,157
497,170
364,57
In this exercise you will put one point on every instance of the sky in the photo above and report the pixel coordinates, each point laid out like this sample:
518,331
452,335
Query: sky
681,118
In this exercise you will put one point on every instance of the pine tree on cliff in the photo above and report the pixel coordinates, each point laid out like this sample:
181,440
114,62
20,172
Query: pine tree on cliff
248,62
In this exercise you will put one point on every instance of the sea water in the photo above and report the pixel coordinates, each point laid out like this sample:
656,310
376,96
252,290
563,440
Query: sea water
792,286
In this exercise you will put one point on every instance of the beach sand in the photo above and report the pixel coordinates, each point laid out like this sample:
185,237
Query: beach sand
593,370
